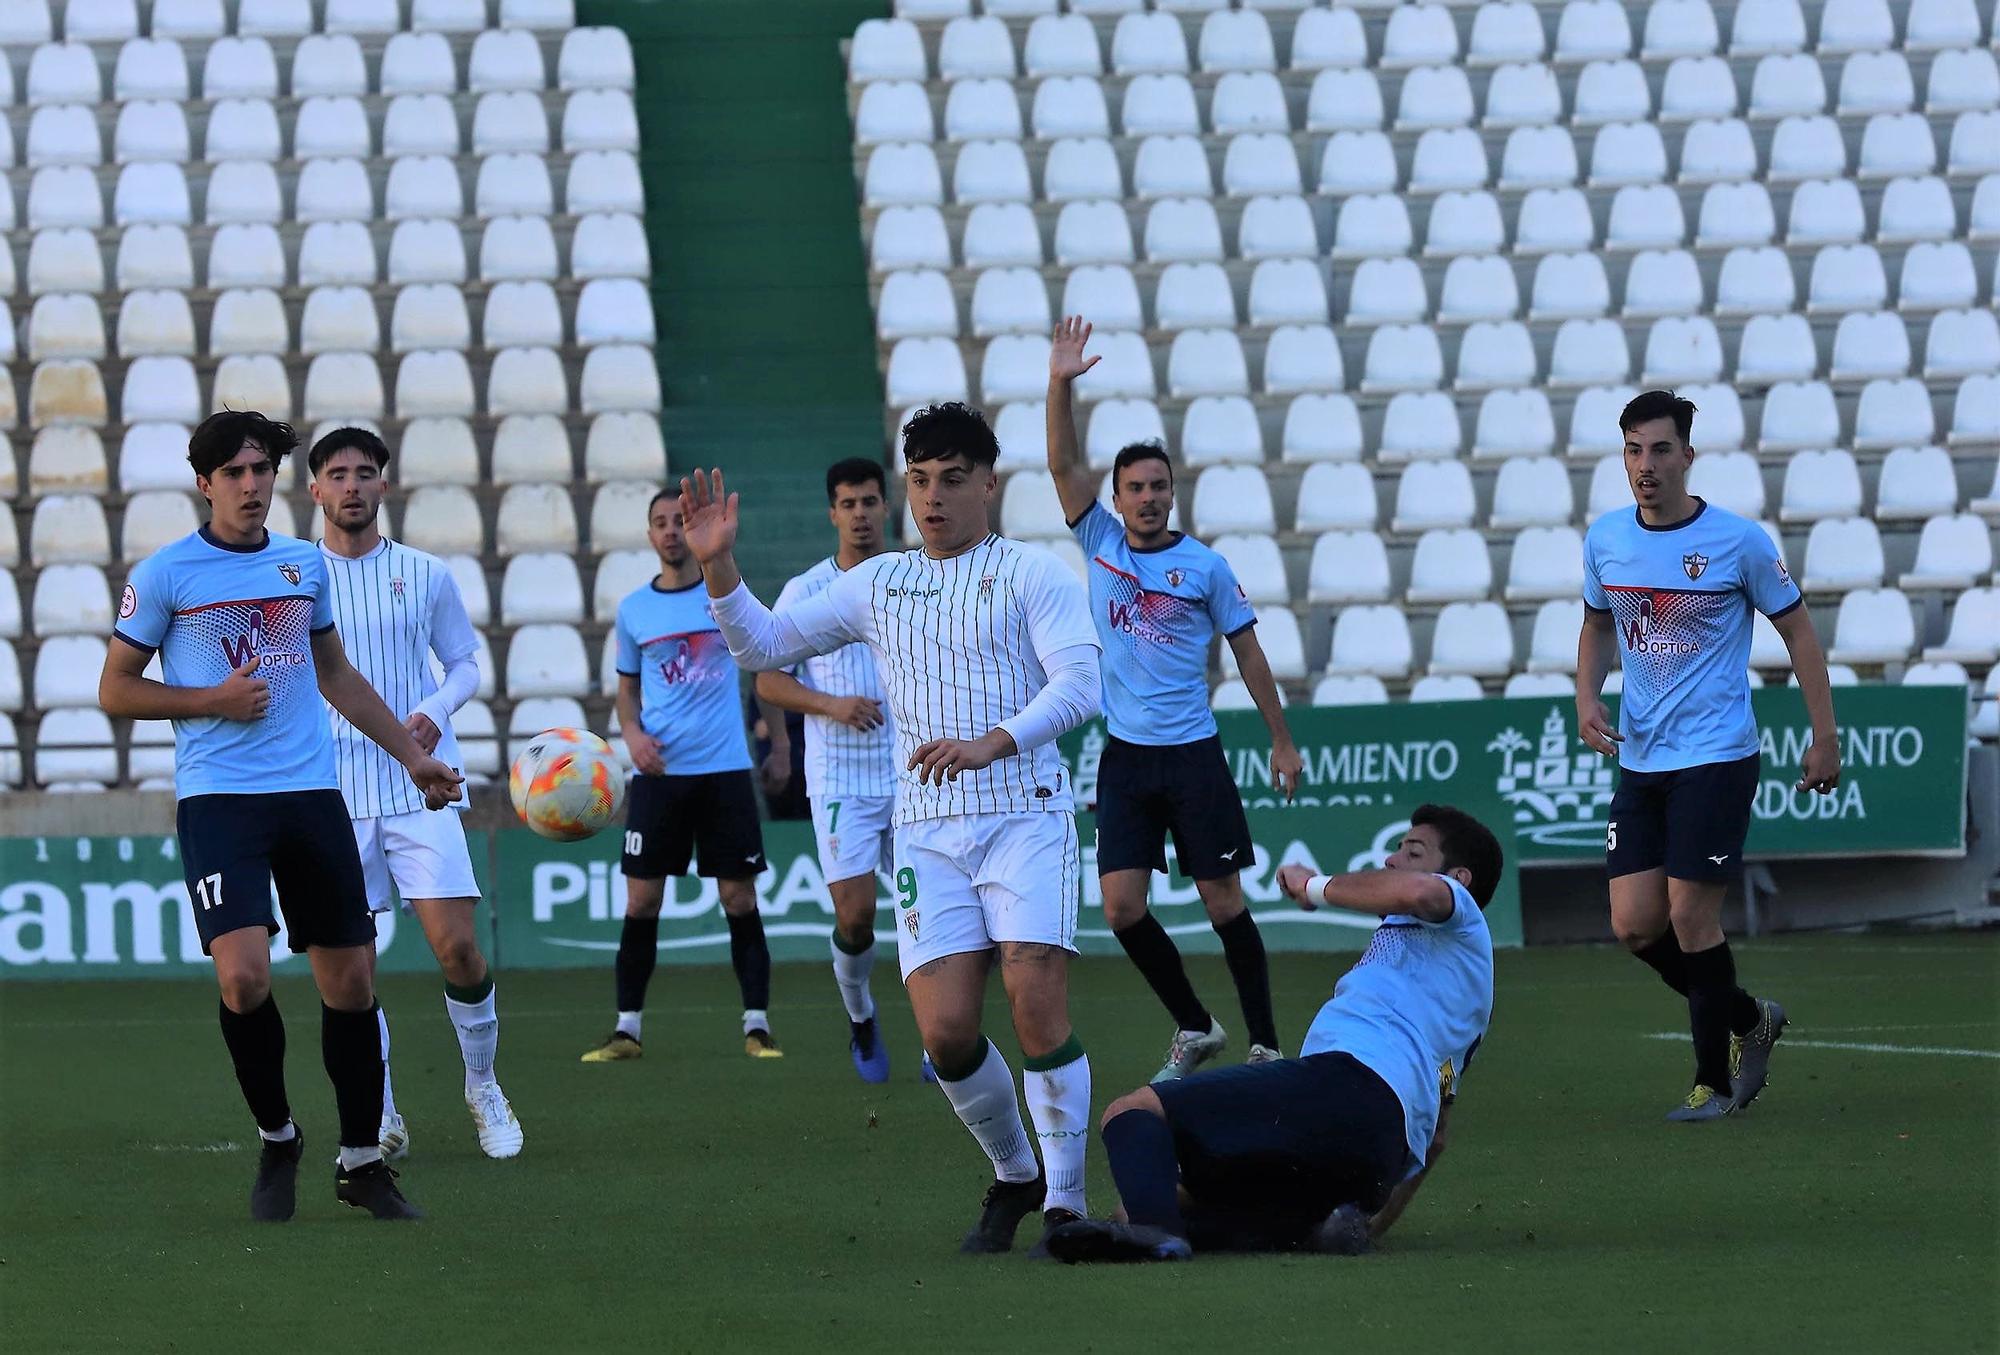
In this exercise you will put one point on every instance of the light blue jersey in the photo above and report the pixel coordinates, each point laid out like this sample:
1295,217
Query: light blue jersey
1155,611
688,695
1680,599
207,607
1414,1008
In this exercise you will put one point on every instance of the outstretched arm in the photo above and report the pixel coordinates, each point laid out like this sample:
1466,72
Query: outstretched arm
759,639
1256,670
1821,770
786,692
349,693
1066,465
1383,893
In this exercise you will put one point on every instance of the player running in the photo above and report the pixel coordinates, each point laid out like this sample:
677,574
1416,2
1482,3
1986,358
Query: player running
691,796
395,607
988,657
1325,1150
1158,598
850,756
243,621
1671,585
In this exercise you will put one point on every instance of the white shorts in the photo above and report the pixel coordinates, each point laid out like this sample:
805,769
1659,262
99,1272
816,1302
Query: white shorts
855,835
969,882
424,853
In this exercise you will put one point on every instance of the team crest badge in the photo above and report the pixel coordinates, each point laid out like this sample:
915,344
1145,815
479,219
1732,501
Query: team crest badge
291,573
1174,577
986,587
396,589
1694,565
910,921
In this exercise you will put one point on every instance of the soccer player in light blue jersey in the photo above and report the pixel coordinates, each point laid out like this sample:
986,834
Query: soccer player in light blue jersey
691,799
1326,1150
1158,598
243,622
1670,587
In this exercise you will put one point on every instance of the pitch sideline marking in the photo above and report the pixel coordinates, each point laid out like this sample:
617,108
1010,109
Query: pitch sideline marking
1859,1046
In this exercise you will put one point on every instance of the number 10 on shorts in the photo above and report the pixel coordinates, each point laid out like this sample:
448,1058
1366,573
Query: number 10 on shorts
208,891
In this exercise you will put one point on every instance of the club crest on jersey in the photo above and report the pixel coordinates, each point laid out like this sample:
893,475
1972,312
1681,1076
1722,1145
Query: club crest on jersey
396,589
910,921
986,587
1694,564
291,573
1174,577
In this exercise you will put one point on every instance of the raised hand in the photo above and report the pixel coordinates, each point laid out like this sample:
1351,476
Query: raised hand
243,695
708,515
1066,359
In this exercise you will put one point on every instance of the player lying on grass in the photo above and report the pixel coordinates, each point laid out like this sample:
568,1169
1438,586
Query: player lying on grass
1326,1149
243,621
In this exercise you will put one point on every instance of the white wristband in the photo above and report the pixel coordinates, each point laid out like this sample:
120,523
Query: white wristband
1316,889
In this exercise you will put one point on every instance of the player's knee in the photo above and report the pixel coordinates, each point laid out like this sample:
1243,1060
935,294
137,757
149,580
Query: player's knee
243,989
952,1042
1121,912
737,897
644,897
1636,936
1142,1099
1223,899
459,959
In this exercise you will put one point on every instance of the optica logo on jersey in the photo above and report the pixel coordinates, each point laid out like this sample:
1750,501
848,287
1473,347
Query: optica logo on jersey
1640,638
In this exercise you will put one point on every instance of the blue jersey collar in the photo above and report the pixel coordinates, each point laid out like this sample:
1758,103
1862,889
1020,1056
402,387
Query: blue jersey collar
212,539
1700,507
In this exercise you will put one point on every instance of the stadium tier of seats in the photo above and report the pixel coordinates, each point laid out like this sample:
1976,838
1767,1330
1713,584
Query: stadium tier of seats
1380,277
419,215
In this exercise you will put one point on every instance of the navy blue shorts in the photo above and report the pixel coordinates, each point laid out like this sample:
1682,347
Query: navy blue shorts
709,818
1693,821
1146,791
1268,1150
235,847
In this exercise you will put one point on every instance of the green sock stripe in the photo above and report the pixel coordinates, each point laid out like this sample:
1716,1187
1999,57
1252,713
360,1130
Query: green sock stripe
840,944
1070,1051
959,1074
478,992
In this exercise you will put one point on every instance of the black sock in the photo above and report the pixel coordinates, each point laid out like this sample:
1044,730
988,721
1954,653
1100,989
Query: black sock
1141,1147
1716,1007
638,953
1243,948
350,1043
256,1041
1153,951
751,957
1668,960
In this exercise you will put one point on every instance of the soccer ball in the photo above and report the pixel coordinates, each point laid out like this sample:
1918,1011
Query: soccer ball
567,784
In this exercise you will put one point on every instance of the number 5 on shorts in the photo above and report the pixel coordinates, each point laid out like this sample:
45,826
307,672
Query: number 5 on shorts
906,887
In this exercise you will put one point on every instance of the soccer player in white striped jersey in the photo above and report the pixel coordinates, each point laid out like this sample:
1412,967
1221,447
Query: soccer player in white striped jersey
850,756
987,655
395,607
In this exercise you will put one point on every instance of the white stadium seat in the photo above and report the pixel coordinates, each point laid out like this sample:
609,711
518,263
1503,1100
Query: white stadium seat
1531,491
1842,554
511,59
1855,26
509,121
1233,499
1450,565
1784,85
333,253
1353,689
1514,423
64,195
1259,569
1445,687
1875,82
600,120
1348,566
1568,285
1915,483
1729,480
1953,552
546,660
75,748
1417,425
1553,219
1433,494
66,325
1148,43
1495,354
535,517
431,315
441,452
595,58
338,319
1403,357
1973,636
1552,640
1336,496
528,448
1116,424
1370,640
1344,100
540,587
512,185
1821,484
1221,428
1892,413
328,63
343,386
153,519
1611,91
63,72
362,16
1873,626
1435,96
1061,45
1301,358
1473,638
1761,26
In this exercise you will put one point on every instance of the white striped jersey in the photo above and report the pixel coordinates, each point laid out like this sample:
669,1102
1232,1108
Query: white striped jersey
957,643
840,759
395,607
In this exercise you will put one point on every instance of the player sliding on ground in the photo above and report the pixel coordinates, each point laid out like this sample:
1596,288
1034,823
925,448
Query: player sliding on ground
850,756
988,657
1670,586
395,608
1325,1150
243,623
1158,598
691,798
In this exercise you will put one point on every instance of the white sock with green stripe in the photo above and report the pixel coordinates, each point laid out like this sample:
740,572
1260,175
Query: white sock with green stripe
1058,1087
989,1106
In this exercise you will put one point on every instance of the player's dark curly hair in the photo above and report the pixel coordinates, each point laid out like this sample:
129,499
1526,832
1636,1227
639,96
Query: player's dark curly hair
221,436
339,440
1140,451
1467,842
855,470
949,429
1649,405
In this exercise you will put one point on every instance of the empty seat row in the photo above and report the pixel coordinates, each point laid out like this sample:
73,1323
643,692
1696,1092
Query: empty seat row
338,189
1410,357
332,253
1753,281
1500,31
34,21
327,126
623,445
338,318
327,64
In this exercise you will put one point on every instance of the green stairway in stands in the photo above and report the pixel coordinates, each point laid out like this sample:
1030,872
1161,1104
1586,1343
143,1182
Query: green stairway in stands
760,291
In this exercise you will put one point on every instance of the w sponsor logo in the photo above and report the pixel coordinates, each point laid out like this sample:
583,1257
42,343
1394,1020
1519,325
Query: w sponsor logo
240,649
1638,626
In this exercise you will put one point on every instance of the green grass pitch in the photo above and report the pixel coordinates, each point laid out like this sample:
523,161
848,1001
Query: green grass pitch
701,1201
